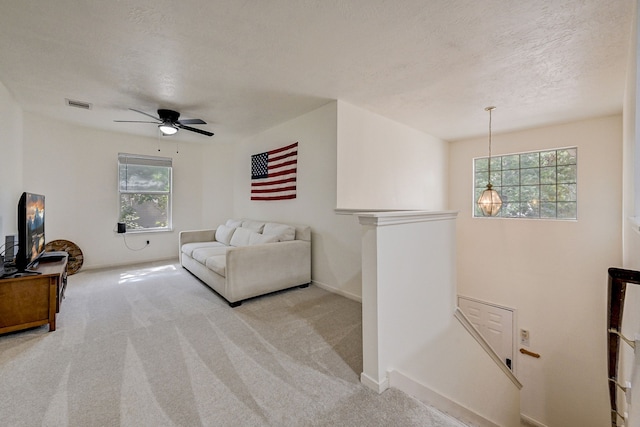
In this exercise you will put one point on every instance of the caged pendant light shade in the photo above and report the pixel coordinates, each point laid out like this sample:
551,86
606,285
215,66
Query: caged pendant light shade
489,201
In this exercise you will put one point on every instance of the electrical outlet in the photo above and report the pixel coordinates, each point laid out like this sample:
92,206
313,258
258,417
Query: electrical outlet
524,337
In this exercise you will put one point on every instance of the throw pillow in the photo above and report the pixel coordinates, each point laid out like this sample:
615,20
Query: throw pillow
241,237
224,234
259,239
235,223
282,231
253,225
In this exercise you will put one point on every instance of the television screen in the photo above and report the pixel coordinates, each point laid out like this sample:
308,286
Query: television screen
30,229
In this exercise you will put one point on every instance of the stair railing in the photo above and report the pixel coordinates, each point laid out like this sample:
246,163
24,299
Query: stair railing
618,279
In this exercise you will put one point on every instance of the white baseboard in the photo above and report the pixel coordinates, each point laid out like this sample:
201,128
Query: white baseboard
442,403
337,291
374,385
530,422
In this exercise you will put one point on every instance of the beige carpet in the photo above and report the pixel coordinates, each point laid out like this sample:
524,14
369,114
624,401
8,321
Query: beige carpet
150,345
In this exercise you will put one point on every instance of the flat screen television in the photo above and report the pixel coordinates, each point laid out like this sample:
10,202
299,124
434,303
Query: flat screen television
30,229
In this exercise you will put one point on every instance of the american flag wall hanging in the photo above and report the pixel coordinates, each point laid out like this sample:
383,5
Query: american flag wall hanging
273,174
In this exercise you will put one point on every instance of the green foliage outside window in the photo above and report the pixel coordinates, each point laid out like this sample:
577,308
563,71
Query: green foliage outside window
541,184
145,192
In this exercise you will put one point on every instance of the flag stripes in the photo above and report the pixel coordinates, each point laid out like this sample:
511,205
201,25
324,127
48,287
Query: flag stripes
274,174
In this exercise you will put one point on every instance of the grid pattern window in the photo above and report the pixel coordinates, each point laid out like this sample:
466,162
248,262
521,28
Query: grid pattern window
144,189
541,184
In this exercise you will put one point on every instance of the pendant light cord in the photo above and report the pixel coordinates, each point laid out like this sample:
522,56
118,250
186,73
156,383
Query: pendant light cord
489,109
489,137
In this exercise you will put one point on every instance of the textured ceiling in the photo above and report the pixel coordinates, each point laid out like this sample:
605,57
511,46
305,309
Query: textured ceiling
247,65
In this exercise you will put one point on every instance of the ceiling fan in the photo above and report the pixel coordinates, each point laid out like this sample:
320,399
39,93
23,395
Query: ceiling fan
168,122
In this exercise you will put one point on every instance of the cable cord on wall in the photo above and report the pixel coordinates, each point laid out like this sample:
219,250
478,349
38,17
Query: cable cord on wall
124,237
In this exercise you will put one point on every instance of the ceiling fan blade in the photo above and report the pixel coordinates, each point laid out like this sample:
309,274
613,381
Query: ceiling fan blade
148,115
134,121
192,122
203,132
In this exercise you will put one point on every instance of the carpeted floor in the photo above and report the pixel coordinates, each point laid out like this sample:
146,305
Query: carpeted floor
150,345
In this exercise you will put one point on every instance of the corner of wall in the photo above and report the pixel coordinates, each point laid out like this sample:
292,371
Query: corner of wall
405,168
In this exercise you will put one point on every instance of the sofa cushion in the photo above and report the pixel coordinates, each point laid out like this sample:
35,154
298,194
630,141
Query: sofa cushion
259,239
283,232
217,264
241,237
188,248
224,234
202,254
303,232
256,226
235,223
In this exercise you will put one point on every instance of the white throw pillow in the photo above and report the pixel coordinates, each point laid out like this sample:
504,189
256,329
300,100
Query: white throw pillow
224,234
259,239
282,231
253,225
235,223
241,237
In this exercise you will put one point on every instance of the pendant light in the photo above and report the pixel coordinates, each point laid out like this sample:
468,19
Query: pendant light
489,201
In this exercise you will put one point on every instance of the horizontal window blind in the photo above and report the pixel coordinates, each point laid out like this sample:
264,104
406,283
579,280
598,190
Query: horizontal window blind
138,159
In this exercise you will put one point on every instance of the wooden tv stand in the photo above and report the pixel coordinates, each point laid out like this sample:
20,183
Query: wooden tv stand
33,300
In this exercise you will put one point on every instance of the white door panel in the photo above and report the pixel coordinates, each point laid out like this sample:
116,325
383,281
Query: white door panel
495,324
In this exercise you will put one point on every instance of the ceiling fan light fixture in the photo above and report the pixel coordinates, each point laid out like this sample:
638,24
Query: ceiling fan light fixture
167,128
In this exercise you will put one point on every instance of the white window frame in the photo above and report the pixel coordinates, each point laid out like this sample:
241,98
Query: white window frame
143,160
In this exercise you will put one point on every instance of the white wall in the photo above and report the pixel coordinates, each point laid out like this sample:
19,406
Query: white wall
409,329
335,241
217,184
553,272
631,159
10,164
76,169
631,228
386,165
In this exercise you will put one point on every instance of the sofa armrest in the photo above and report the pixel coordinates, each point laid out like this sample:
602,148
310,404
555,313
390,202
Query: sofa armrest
191,236
259,269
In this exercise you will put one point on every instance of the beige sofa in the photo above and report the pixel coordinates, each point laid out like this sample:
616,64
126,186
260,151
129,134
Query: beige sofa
247,258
